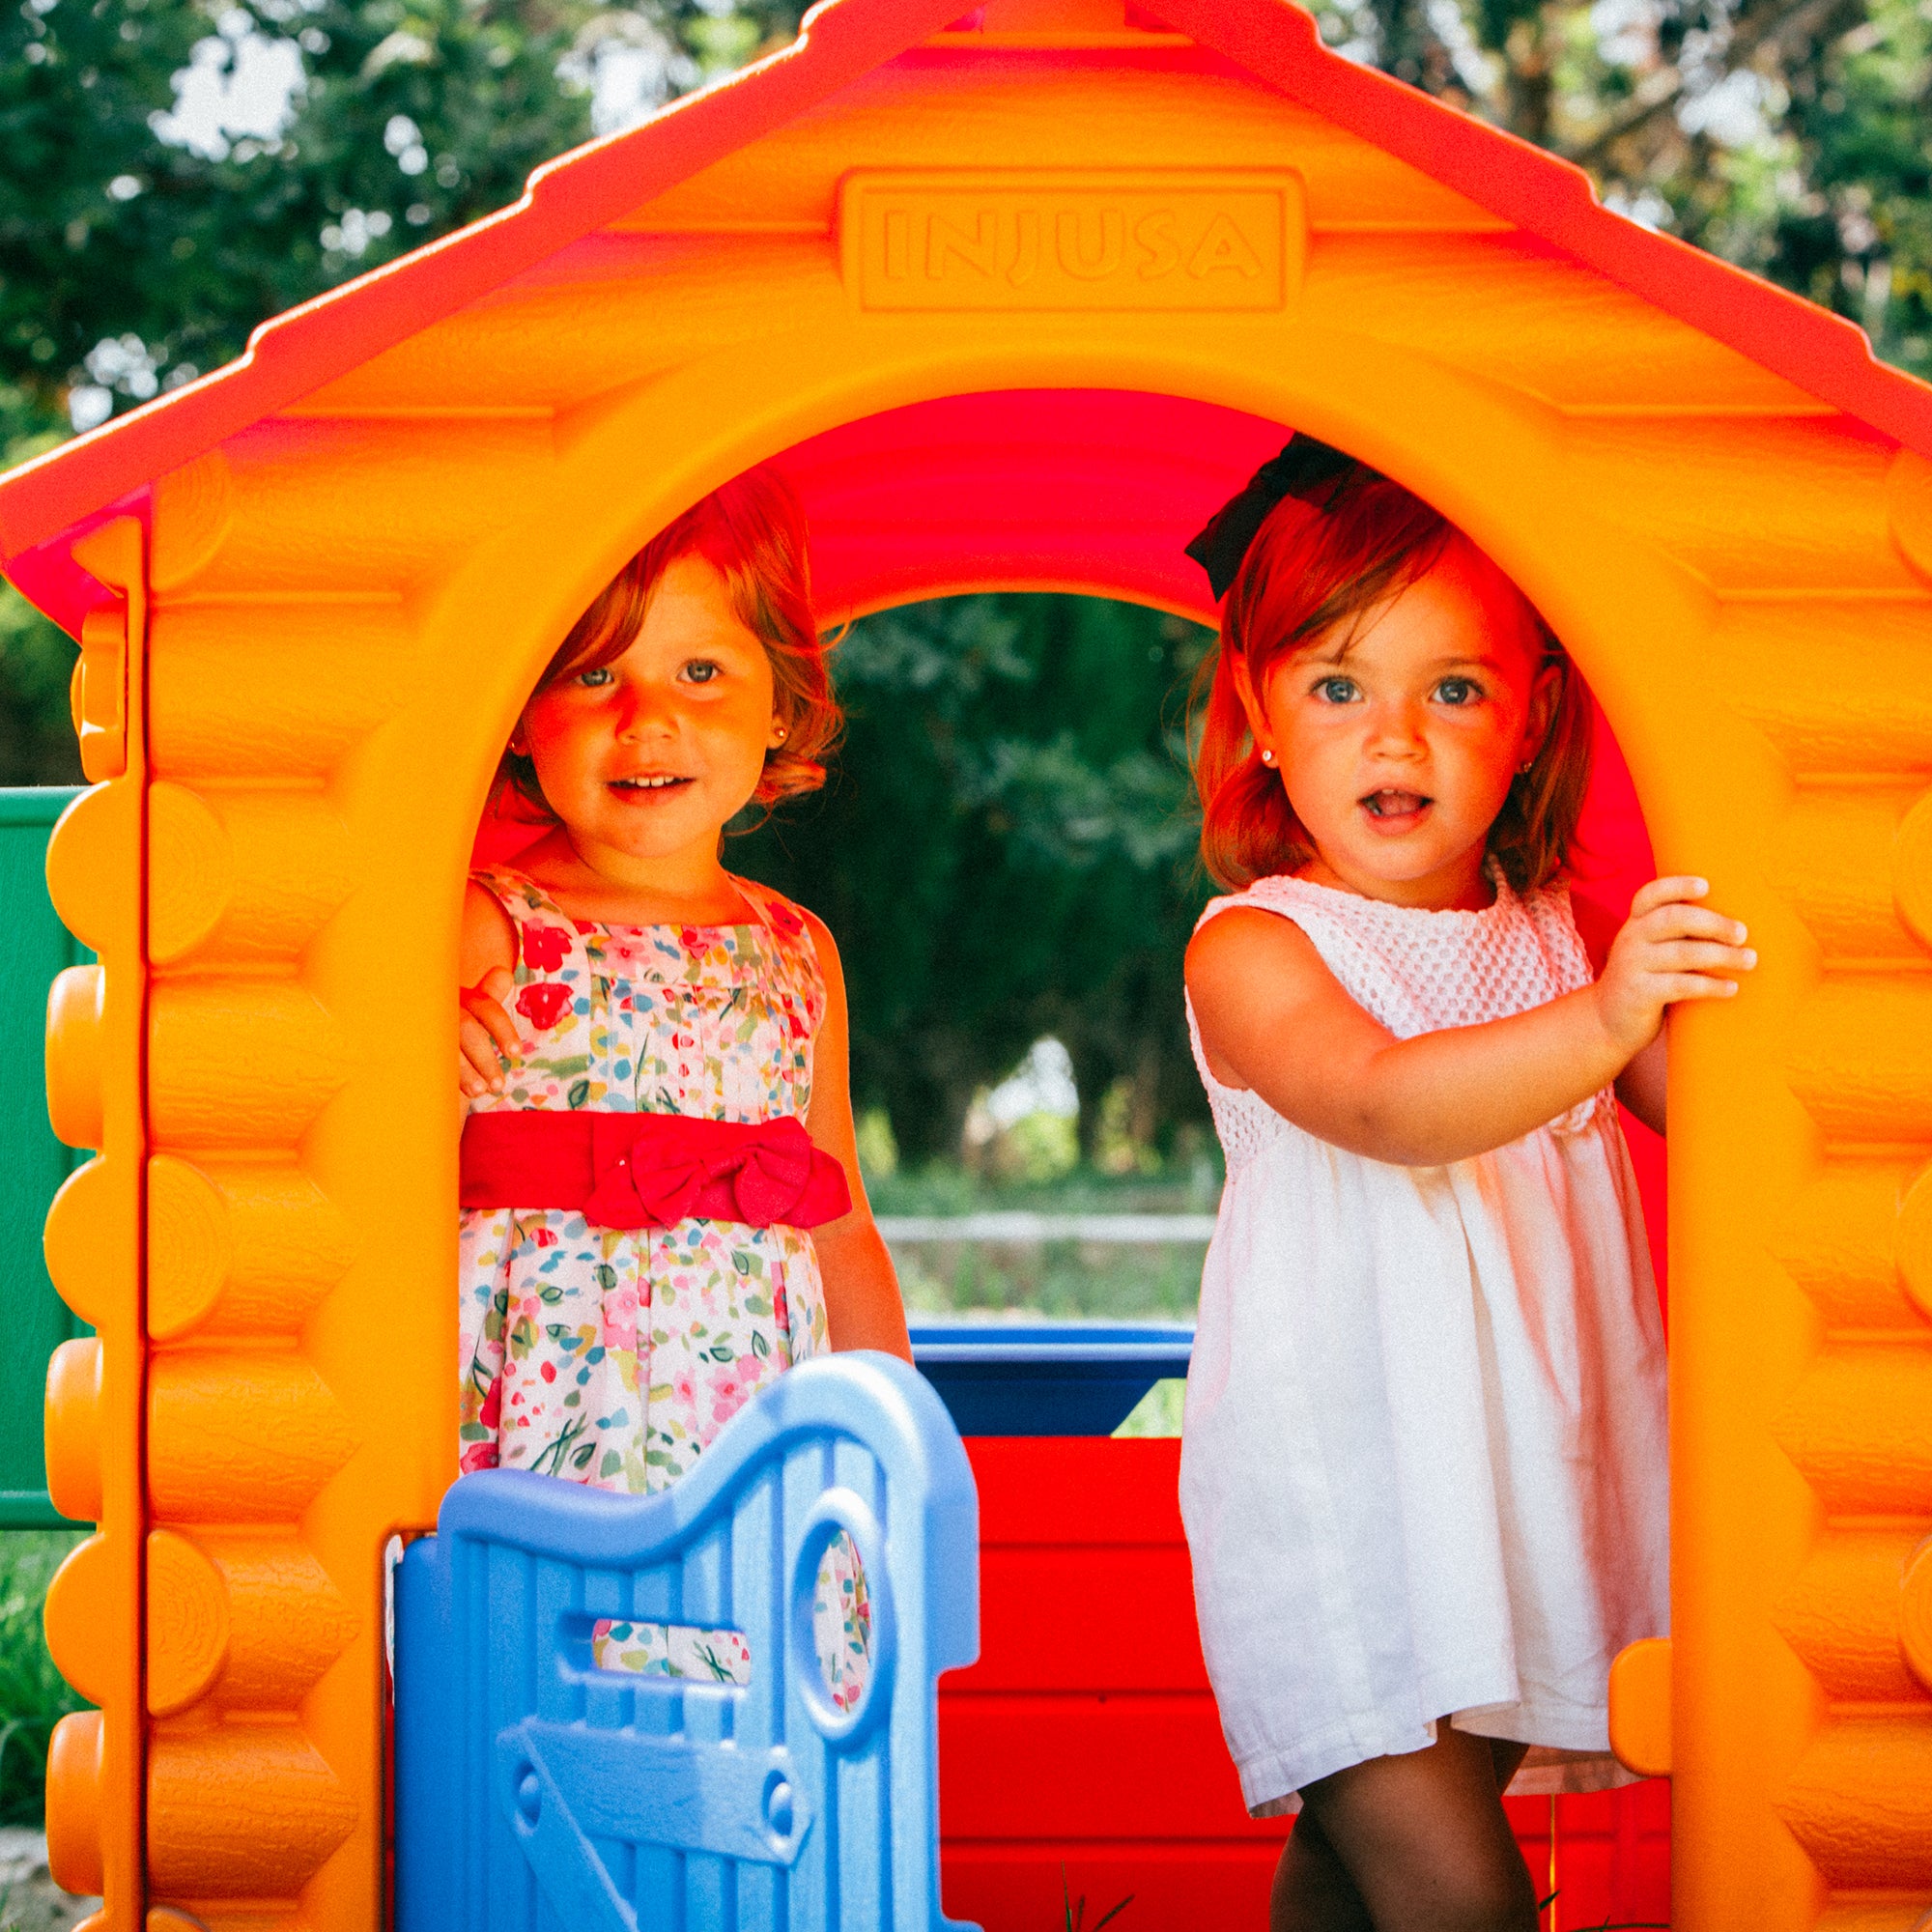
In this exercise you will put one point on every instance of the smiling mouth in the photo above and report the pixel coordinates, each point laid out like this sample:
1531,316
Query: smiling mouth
661,781
1389,803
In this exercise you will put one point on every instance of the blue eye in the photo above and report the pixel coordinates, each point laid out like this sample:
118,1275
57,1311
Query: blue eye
597,674
1336,690
701,671
1458,690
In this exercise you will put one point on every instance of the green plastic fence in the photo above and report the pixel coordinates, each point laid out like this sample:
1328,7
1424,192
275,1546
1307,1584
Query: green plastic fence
34,945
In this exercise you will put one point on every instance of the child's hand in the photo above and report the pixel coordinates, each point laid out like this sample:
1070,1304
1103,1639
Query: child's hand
1668,949
486,1034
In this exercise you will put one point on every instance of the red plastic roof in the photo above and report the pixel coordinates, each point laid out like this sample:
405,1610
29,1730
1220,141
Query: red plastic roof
47,502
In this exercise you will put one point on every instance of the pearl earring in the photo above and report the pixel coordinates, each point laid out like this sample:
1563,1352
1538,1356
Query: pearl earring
1267,756
779,733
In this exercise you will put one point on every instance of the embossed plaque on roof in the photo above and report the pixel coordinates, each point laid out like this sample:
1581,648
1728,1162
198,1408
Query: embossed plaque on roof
1089,239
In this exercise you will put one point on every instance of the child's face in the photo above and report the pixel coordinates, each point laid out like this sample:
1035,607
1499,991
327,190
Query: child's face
1398,736
650,754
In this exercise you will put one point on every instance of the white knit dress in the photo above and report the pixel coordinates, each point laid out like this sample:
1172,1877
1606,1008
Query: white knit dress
1423,1463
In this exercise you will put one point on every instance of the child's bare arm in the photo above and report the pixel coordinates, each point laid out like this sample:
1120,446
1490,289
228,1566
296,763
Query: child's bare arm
1642,1085
486,969
863,1305
1274,1018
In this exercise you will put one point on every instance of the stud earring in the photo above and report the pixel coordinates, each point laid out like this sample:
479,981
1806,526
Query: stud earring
1267,756
778,732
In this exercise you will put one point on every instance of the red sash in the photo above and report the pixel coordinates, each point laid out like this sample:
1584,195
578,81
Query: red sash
651,1170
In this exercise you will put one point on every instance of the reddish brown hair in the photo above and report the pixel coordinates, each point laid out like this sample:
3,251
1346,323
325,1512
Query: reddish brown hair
1307,570
753,532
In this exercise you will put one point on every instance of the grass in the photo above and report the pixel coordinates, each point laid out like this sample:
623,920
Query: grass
33,1696
1052,1280
1076,1916
946,1187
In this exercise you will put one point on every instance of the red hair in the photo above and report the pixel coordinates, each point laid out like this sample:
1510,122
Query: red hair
1307,570
752,533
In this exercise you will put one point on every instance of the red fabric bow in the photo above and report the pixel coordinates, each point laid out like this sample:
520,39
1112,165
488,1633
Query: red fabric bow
651,1170
717,1170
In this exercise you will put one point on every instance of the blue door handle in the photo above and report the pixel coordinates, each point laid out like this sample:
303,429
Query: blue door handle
562,1785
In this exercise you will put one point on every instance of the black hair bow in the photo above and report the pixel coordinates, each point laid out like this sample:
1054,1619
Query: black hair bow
1314,472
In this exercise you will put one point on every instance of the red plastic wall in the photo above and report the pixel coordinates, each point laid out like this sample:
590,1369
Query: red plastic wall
1085,1736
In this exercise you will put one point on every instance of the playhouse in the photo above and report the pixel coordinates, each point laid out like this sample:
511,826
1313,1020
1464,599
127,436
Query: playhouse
1015,300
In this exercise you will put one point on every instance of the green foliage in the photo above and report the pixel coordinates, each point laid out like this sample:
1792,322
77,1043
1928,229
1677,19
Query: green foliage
1789,136
33,1697
1158,1412
37,742
1076,1921
1005,850
138,247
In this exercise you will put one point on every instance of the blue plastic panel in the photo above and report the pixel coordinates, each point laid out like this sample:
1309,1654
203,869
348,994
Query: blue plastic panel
1047,1378
535,1792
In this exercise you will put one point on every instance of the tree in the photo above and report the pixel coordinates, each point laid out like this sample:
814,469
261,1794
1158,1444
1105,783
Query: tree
1789,136
181,170
1027,749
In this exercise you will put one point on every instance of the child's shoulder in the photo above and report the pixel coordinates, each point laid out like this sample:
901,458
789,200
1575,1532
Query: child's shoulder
1299,902
1256,893
785,917
517,893
797,930
1279,926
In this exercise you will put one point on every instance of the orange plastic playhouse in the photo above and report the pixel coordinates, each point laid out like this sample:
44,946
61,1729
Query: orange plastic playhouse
1015,297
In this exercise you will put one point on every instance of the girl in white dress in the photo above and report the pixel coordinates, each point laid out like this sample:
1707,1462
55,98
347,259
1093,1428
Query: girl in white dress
1424,1460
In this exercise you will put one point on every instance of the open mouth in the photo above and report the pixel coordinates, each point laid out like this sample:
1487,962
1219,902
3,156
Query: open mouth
652,786
1389,804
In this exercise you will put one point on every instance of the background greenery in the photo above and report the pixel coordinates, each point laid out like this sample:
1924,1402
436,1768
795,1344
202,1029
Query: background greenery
32,1695
179,170
1026,752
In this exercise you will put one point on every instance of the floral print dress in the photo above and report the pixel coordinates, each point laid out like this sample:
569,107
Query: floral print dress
613,1356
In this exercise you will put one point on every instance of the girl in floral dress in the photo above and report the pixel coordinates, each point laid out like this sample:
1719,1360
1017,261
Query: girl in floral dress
662,1206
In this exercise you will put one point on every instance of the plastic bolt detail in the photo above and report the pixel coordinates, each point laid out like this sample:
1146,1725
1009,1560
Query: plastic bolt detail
73,1425
76,1004
1640,1707
98,692
74,1803
778,1807
78,1638
89,856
